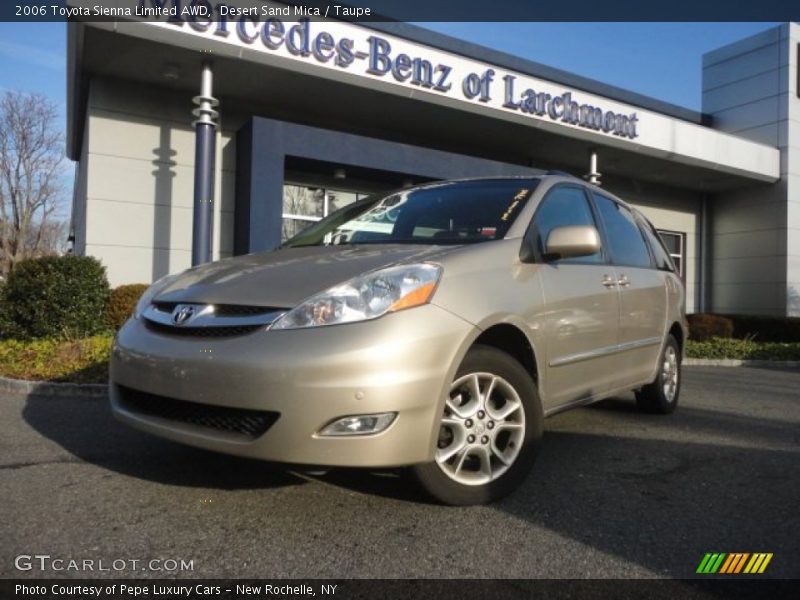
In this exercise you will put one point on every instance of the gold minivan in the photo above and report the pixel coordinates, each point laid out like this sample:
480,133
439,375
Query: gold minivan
433,327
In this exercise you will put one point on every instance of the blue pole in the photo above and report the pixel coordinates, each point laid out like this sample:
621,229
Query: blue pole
203,218
204,164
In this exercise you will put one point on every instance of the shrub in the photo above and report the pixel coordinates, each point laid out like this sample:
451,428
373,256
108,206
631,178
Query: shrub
766,329
72,361
704,326
745,349
121,303
55,296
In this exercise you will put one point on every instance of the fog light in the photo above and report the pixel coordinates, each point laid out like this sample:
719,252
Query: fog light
359,424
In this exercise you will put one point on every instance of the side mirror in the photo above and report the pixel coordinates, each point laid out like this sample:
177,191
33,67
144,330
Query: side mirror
572,241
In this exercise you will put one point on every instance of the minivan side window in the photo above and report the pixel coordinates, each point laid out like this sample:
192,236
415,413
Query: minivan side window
563,206
660,254
625,241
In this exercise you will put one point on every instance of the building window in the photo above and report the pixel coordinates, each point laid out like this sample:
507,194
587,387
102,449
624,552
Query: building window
675,242
304,206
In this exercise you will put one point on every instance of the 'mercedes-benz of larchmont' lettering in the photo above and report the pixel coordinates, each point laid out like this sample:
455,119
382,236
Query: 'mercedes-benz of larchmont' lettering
207,136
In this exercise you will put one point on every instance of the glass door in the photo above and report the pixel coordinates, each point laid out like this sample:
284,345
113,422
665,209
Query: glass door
304,205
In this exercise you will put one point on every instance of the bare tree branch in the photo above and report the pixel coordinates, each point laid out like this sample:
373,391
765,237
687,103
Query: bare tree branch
299,200
31,153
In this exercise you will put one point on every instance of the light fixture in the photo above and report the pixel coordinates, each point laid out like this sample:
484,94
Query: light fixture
359,425
339,174
171,72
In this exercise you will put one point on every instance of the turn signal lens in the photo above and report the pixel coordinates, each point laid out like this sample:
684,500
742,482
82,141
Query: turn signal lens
421,295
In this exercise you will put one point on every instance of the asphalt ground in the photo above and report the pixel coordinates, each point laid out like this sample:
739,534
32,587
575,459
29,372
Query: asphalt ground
614,494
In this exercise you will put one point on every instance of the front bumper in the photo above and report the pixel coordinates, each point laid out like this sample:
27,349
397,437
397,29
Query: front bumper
402,362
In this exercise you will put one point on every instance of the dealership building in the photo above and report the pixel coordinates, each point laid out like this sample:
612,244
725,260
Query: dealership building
308,116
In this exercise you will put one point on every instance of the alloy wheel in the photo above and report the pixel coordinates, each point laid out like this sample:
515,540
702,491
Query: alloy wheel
482,429
669,373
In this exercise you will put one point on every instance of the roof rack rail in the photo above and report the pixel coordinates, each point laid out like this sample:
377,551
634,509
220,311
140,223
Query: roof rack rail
563,173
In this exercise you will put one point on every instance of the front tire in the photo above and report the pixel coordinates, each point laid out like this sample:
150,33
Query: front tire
661,396
490,431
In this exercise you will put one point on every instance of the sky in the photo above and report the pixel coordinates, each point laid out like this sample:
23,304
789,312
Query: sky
662,60
33,58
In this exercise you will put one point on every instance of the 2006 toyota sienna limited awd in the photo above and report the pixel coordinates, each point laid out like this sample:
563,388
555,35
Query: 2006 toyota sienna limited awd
433,327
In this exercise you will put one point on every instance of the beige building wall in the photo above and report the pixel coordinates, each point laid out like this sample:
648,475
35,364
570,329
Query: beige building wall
137,177
78,225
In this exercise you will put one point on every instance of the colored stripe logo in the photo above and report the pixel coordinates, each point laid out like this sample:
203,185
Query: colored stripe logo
734,563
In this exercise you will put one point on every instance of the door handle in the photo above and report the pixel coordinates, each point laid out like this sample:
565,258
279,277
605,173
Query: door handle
624,281
608,281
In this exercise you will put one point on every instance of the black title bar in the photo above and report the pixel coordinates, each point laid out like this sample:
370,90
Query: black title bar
395,589
437,10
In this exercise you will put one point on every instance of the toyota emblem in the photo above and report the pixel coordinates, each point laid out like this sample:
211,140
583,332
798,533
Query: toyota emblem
182,313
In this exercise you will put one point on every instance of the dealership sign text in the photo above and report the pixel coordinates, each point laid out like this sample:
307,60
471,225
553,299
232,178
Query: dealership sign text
375,56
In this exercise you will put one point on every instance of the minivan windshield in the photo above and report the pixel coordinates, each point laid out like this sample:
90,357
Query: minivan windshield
463,212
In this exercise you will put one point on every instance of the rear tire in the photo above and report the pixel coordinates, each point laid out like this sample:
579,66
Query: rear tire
490,431
661,396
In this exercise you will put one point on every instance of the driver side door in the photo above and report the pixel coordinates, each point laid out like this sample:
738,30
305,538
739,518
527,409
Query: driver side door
581,301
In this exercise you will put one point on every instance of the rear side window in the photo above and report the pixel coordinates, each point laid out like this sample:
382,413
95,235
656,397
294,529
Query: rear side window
563,206
625,241
660,254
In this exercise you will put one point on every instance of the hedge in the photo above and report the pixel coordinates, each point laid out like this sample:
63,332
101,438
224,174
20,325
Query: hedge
121,303
766,329
71,361
704,326
747,349
55,296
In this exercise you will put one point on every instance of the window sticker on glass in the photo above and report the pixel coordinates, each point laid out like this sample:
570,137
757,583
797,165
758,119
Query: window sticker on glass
519,197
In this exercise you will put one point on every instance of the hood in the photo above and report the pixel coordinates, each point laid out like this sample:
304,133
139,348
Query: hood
283,278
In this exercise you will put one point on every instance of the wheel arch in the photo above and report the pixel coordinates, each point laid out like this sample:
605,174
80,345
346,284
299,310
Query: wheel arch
512,340
504,333
676,330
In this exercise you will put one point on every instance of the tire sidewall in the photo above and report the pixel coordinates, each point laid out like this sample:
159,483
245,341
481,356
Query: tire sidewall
652,397
485,359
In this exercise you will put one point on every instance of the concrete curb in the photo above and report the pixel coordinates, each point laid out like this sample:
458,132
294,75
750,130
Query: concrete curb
735,362
47,388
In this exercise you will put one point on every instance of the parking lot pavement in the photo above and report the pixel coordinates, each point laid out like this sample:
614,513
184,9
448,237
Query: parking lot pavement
614,494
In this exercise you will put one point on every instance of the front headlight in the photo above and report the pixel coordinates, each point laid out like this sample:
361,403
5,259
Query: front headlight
150,293
366,297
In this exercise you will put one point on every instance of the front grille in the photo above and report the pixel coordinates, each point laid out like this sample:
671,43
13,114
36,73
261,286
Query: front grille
166,307
246,422
240,310
203,331
226,320
223,310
